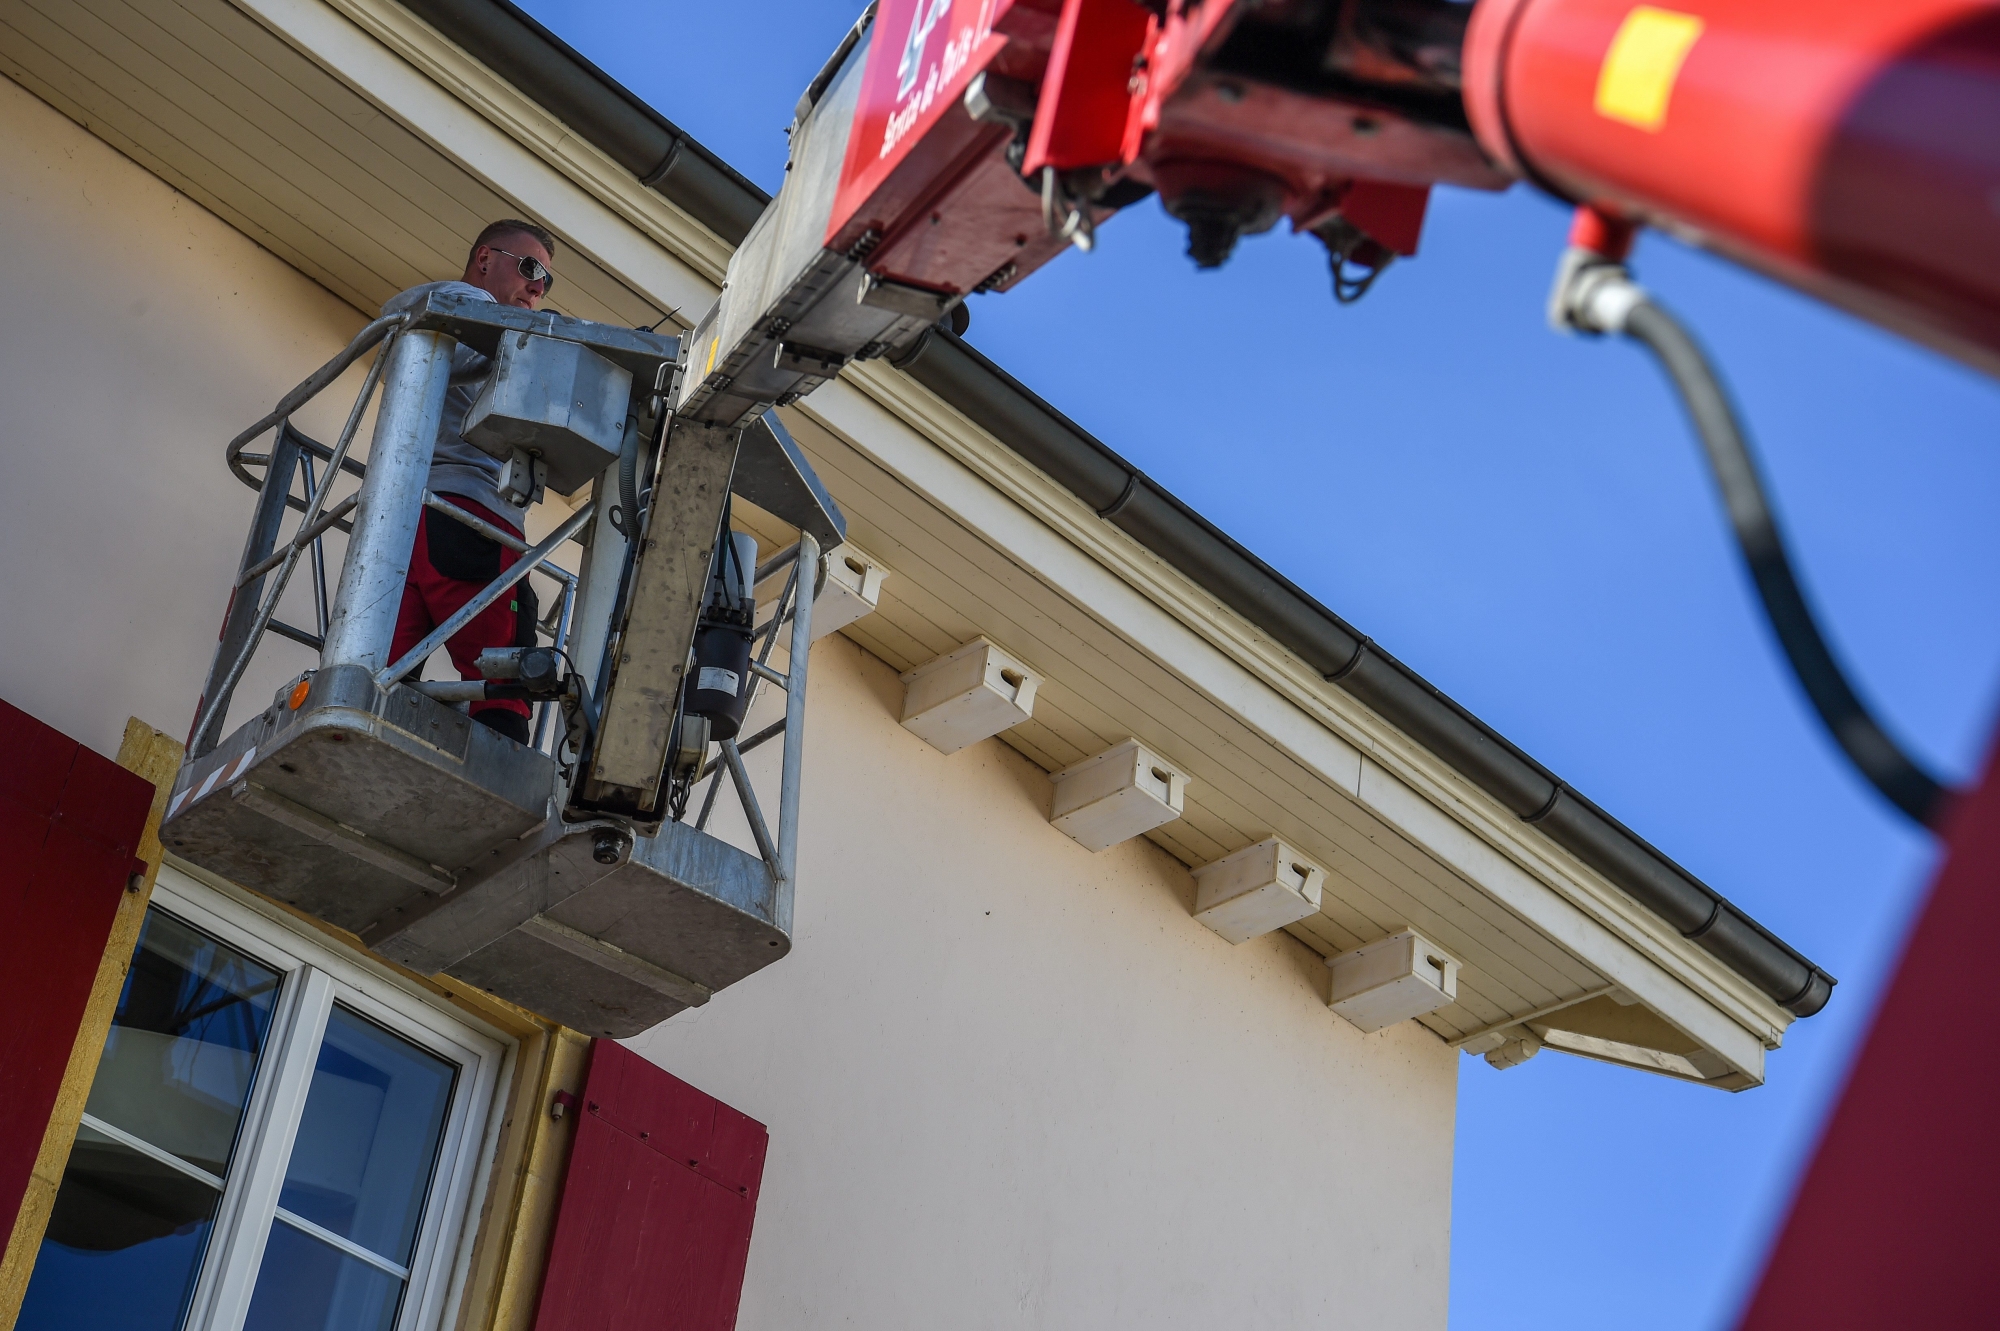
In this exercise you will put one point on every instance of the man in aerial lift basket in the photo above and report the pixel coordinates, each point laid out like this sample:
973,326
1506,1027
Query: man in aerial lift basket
451,563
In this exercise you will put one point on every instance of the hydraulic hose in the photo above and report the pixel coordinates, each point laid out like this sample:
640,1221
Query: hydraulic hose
1878,757
628,480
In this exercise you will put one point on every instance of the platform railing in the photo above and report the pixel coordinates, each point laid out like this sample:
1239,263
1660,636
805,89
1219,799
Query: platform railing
794,609
443,845
268,563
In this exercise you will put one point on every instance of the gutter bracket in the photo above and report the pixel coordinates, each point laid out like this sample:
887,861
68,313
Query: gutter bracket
1548,807
1116,506
1353,662
1714,917
652,179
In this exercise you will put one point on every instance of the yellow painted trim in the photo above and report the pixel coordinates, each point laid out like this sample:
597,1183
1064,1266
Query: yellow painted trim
1636,81
156,756
504,1284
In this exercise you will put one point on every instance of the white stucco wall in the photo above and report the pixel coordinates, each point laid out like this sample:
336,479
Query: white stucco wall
1011,1083
141,333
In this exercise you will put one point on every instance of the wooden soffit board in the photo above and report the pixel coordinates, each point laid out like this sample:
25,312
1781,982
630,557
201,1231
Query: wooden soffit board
203,95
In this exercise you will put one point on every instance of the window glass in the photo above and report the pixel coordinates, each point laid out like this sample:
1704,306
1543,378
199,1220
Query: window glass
168,1156
307,1284
133,1214
354,1190
176,1068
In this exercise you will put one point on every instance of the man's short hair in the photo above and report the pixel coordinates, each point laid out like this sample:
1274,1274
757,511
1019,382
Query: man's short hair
512,226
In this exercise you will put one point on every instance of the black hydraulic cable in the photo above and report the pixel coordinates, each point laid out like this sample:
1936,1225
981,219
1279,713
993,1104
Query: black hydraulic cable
627,517
1878,757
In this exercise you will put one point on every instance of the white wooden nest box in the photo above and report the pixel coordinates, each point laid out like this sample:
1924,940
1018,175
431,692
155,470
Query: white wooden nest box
852,590
1402,976
1257,889
1125,791
968,695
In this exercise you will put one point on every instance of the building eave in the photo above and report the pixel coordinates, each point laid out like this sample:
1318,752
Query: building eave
1216,658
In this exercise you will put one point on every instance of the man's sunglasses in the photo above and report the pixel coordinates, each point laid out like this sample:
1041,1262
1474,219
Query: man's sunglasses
531,269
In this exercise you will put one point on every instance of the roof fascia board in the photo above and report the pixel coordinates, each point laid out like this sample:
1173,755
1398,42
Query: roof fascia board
1591,929
426,82
1016,507
662,156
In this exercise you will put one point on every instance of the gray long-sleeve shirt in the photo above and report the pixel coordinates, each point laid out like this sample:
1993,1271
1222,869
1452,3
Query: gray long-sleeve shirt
457,467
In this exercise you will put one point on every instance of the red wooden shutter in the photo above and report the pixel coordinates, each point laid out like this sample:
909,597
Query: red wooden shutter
70,820
654,1225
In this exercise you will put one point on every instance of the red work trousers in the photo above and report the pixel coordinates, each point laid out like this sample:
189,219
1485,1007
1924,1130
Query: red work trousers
430,596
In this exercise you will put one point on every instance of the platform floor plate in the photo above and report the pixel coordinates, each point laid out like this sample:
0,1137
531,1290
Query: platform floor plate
615,950
687,903
584,988
358,804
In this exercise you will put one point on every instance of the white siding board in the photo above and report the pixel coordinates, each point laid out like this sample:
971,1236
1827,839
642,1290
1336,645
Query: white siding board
1309,827
237,158
49,77
286,97
252,129
1382,862
323,117
888,638
134,124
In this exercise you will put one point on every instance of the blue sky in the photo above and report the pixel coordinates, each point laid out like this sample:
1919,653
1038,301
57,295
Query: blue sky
1525,519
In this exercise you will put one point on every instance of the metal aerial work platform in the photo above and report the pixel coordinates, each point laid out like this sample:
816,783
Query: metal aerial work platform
561,874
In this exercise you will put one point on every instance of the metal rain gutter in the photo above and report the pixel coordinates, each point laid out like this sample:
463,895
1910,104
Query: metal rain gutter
665,159
1125,497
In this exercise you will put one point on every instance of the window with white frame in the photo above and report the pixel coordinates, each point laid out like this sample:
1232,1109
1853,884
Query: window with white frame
279,1138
